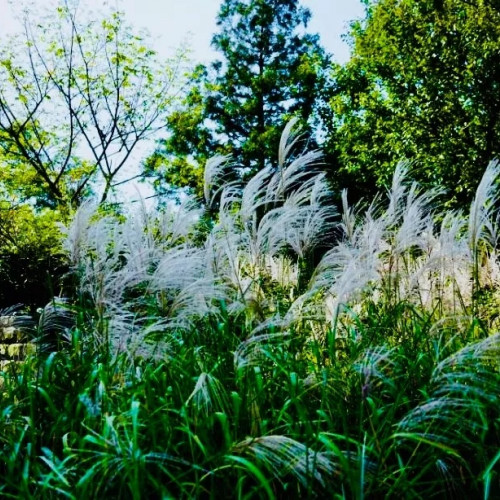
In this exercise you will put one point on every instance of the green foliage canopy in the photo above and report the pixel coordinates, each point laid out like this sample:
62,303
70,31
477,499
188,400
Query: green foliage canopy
422,85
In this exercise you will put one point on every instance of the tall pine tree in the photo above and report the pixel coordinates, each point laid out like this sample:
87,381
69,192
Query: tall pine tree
270,70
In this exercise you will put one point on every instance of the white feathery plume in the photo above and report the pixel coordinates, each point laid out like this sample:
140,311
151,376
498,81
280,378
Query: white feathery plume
320,191
308,191
397,194
350,266
230,198
480,215
292,178
282,270
277,211
289,138
299,228
376,365
254,350
176,223
427,419
75,241
225,253
349,217
208,396
57,317
445,267
125,330
453,374
264,237
178,268
255,195
140,250
214,173
282,456
195,301
465,384
102,268
490,271
415,219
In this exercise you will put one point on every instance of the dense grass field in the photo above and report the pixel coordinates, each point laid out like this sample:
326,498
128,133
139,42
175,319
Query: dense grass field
266,345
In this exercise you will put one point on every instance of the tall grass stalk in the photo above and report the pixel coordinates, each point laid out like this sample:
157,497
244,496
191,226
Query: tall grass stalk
282,351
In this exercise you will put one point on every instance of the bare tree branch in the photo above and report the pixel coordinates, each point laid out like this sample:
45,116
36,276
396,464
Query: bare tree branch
77,97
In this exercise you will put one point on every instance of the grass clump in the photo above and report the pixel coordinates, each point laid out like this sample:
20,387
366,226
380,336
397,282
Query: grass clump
290,352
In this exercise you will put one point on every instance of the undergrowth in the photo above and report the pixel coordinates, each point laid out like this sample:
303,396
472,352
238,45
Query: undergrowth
284,351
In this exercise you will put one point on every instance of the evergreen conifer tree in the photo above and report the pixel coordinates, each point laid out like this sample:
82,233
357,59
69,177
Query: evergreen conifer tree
270,70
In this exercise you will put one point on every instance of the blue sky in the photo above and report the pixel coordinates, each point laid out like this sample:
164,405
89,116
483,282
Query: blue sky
171,22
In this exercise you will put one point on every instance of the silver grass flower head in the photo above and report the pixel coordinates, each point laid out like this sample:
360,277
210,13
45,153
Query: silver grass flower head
253,351
282,455
213,177
255,194
466,381
415,218
176,222
208,396
349,217
75,241
397,193
481,210
289,138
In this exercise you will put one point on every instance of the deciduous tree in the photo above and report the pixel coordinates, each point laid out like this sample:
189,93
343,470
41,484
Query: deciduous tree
423,84
77,95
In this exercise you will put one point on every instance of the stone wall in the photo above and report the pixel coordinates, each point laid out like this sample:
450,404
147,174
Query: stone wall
14,343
